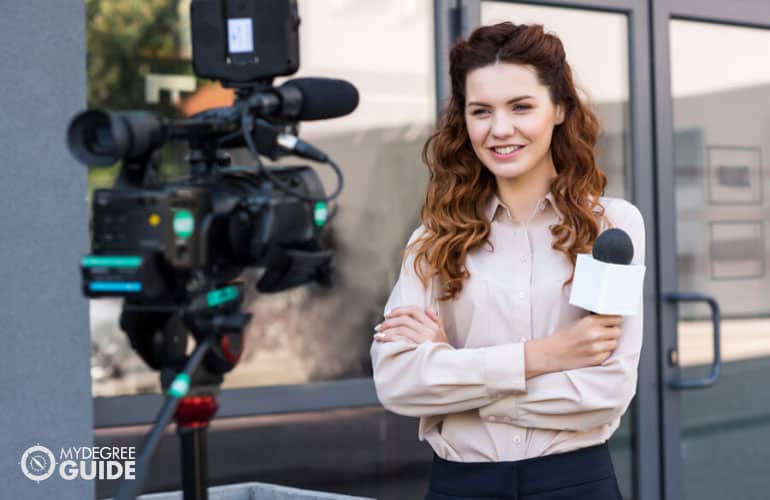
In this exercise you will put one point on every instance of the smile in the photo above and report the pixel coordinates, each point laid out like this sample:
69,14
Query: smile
504,152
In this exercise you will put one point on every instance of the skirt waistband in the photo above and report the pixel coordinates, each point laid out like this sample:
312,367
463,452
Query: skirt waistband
525,477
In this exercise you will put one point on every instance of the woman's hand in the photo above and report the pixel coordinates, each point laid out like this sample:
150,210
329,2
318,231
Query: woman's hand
588,341
412,324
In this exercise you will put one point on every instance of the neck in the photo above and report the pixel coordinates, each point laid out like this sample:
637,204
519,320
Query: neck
522,193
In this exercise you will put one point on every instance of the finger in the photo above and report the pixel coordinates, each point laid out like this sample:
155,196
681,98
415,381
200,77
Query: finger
392,336
406,334
419,315
412,311
609,319
610,333
407,322
400,320
432,315
607,346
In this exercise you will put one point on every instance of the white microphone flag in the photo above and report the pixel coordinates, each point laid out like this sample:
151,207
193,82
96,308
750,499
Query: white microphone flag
606,288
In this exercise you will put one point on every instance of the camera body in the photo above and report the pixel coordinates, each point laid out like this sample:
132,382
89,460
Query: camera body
150,242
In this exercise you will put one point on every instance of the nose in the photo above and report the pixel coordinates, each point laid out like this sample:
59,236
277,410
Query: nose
502,125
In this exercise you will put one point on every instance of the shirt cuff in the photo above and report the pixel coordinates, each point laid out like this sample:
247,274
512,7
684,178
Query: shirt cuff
504,369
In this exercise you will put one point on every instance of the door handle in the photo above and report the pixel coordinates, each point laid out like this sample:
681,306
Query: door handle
716,365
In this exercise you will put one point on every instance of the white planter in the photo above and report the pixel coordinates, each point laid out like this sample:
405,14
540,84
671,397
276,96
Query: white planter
254,491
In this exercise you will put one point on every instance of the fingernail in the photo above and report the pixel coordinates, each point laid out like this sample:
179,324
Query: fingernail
379,335
378,327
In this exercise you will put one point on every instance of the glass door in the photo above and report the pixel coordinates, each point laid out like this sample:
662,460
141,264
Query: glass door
715,276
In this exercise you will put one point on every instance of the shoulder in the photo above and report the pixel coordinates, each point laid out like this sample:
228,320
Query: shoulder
419,233
622,213
412,245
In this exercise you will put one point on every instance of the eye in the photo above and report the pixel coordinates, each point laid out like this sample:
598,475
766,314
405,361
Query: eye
521,107
478,111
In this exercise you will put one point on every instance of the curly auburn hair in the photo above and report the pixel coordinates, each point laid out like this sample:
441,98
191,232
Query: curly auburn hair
460,187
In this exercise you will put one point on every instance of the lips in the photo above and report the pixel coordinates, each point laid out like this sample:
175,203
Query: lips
506,151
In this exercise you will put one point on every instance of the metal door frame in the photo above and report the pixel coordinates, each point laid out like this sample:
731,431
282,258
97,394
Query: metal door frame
736,12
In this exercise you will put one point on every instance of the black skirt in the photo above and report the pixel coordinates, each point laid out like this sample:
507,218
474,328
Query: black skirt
584,474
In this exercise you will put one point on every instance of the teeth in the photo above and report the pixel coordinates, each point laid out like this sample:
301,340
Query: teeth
507,150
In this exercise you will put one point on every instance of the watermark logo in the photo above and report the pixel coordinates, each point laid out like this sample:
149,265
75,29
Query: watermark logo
39,463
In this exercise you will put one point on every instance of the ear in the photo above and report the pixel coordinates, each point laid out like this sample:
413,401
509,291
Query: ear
559,114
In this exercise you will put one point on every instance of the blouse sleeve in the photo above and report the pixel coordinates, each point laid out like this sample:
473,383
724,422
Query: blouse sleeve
585,398
435,378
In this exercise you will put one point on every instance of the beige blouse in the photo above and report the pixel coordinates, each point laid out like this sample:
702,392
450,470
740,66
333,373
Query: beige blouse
471,396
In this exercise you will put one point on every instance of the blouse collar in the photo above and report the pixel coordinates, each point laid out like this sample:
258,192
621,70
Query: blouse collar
495,203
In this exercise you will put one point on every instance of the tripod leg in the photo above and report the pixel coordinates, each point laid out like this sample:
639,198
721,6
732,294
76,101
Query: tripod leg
192,419
194,463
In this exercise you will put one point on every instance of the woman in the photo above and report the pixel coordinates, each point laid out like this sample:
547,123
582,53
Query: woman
517,390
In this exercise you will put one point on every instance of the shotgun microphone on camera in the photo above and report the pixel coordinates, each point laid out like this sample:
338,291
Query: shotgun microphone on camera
307,99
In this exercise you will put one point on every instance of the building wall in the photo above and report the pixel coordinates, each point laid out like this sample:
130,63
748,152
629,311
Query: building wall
44,362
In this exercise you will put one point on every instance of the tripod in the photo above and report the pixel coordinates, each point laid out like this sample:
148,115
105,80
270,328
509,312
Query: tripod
193,405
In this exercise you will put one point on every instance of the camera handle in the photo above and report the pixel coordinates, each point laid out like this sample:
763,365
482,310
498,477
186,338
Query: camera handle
137,173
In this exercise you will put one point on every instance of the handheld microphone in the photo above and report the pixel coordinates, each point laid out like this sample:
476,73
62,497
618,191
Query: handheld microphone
614,246
605,281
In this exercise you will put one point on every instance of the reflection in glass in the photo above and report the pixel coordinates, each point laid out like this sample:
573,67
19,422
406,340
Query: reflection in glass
721,140
139,58
596,44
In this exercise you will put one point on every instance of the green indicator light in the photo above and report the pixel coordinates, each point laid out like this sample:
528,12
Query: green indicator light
179,386
111,261
184,223
320,213
222,295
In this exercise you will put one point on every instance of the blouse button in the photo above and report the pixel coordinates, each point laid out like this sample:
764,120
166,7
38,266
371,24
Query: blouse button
517,440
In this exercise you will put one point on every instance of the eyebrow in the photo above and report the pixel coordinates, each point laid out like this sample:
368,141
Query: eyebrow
515,99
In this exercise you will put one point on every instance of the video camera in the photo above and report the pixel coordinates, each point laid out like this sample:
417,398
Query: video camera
174,248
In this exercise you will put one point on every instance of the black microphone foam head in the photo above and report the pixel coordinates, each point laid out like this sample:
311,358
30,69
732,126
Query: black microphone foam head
324,98
614,246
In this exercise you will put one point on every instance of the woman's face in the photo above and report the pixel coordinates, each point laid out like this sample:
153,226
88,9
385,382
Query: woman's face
510,119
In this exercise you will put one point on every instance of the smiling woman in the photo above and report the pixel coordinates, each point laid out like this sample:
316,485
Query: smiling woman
517,390
512,137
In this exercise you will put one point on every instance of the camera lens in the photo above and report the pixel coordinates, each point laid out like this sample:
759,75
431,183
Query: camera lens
90,139
97,138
